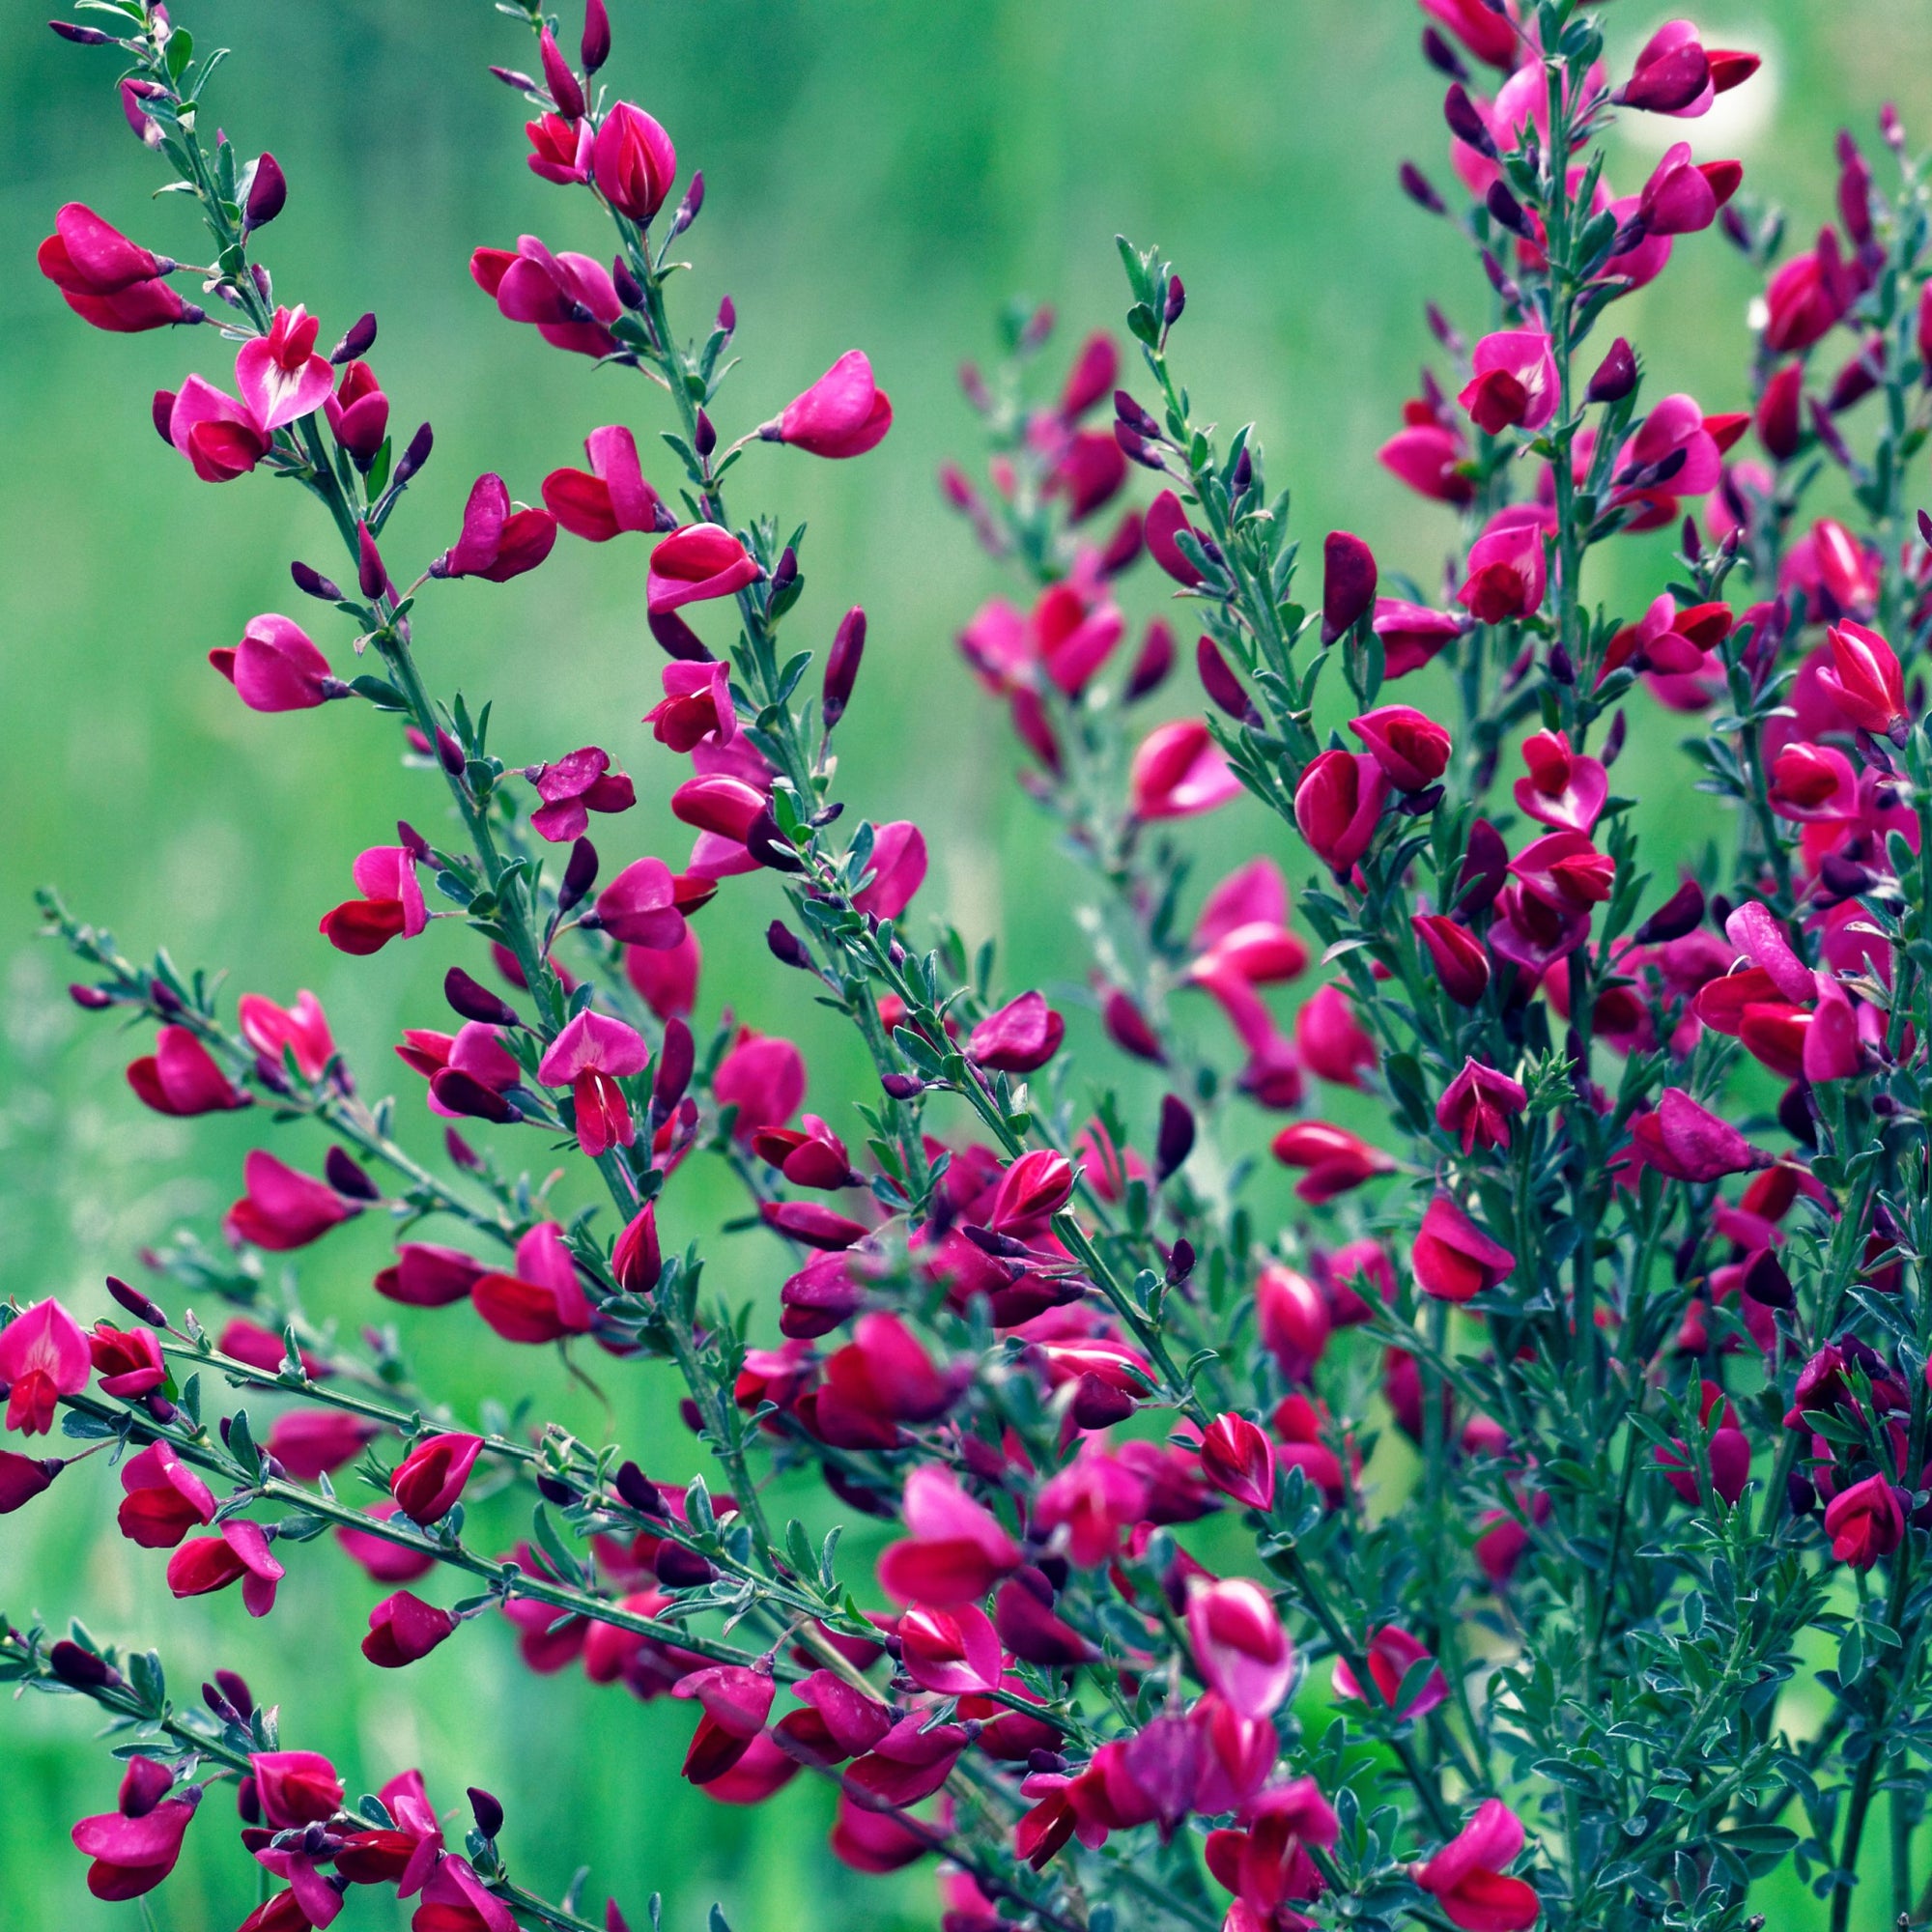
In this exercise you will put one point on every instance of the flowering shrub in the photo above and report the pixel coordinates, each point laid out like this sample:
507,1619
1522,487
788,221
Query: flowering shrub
1579,1581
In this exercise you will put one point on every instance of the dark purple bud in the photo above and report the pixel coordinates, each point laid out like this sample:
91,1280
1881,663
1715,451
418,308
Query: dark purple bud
140,1306
161,412
785,573
370,575
461,1152
1766,1283
234,1686
512,76
677,1058
1615,377
1418,188
1835,446
267,196
1349,578
1444,330
1925,528
1801,1495
728,315
412,841
81,36
902,1086
159,1407
463,1093
80,1667
91,999
787,948
485,1809
417,454
1133,445
1843,878
1441,56
1219,682
553,1490
163,998
1174,1140
564,86
1484,870
579,874
314,583
624,279
1505,209
639,1492
677,638
841,666
1681,913
1177,302
1465,123
1614,739
594,49
1243,474
1180,1261
692,206
476,1002
1136,418
348,1178
1562,667
769,847
1156,661
704,438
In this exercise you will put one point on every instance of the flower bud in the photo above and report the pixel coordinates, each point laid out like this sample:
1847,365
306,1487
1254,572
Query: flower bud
841,664
415,455
1347,583
486,1811
137,1304
1616,375
677,1057
81,36
370,576
474,1001
1177,300
787,946
268,195
692,206
564,86
313,583
636,1259
594,49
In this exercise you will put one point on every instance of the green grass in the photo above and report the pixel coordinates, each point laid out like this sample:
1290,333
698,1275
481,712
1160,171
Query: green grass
880,176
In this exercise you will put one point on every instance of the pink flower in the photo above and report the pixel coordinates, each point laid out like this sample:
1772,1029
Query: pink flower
1683,197
1564,788
666,978
1490,34
383,1561
950,1652
1021,1037
590,1055
843,414
127,1360
1294,1320
812,1156
1347,583
217,435
1808,297
1466,1878
1336,1160
277,667
955,1549
543,1300
1453,1259
1179,772
135,1846
280,376
610,496
1073,635
1238,1461
574,786
279,1208
696,563
1412,634
392,905
1865,681
1339,803
300,1030
1243,1653
1478,1104
358,413
180,1077
1034,1186
43,1355
1674,74
1407,744
239,1554
1507,574
163,1498
896,871
559,147
697,706
1432,459
1462,966
1515,385
570,298
1685,1142
634,163
1865,1522
428,1480
1165,519
403,1629
296,1788
763,1076
498,541
638,907
107,279
1392,1653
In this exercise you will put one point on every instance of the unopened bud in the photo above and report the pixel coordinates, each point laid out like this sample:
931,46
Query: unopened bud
1615,377
314,583
579,874
370,575
486,1811
1177,300
268,195
1419,189
143,1308
692,206
841,666
594,48
348,1178
474,1001
417,454
704,436
1175,1141
81,36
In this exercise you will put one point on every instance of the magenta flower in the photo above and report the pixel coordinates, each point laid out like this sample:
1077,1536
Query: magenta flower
1412,634
180,1077
1466,1876
1865,1521
697,563
427,1275
1034,1186
763,1078
1507,572
570,299
1021,1037
277,667
428,1480
812,1156
135,1846
499,541
358,412
1407,744
953,1653
1675,74
1453,1259
392,905
1391,1655
279,1208
1865,681
296,1788
312,1443
300,1030
238,1554
843,414
1514,385
1242,1651
1164,522
697,706
43,1355
590,1055
572,787
634,163
280,376
1685,1142
1462,966
404,1629
638,907
1238,1459
1179,772
1681,196
107,279
1294,1320
896,872
1338,806
955,1549
1335,1159
217,435
163,1498
610,496
1478,1105
1564,788
543,1300
127,1360
559,149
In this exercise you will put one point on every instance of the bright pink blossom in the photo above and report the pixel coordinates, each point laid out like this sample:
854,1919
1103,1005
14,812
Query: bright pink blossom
843,414
542,1301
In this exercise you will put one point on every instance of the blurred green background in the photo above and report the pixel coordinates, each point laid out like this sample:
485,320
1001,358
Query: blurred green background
879,175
